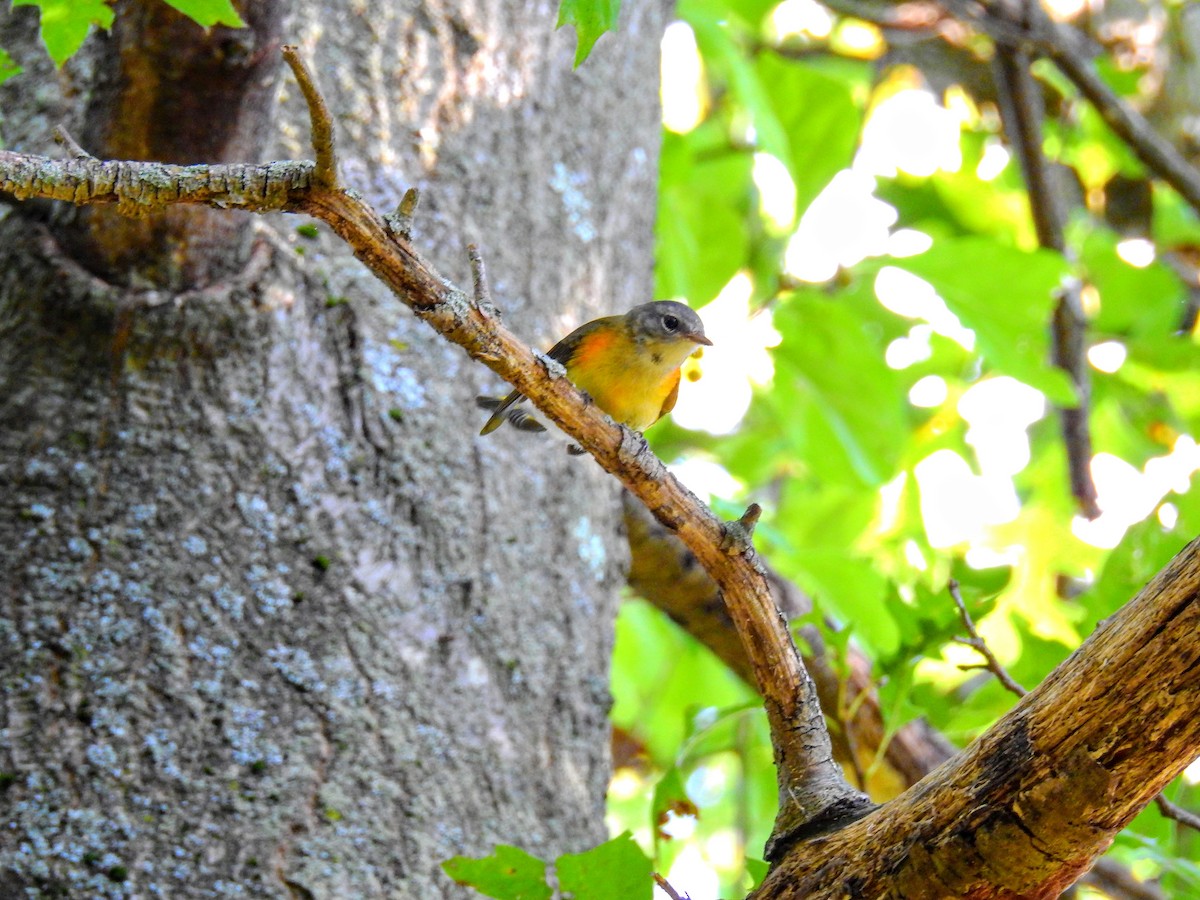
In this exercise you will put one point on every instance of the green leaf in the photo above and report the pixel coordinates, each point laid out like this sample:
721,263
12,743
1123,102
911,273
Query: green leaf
1133,300
8,67
847,584
591,19
834,397
65,23
1007,297
669,797
757,869
1175,222
744,14
727,59
659,674
616,870
209,12
703,202
819,118
508,874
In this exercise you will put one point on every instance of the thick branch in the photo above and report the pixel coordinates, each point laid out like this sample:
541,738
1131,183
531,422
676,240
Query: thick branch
815,795
1024,810
666,574
976,642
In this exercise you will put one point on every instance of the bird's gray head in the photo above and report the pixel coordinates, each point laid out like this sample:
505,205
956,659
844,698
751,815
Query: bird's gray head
667,320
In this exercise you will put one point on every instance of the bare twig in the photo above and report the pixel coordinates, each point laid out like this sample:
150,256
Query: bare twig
322,123
1022,112
1177,813
979,645
141,188
401,220
63,138
1117,881
667,889
479,282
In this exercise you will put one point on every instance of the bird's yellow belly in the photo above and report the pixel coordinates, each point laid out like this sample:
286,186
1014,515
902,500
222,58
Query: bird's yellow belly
633,398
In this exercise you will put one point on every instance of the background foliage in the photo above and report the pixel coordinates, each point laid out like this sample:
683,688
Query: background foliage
903,438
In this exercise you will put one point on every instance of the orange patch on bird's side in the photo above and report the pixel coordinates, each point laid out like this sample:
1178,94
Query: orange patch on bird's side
592,346
669,391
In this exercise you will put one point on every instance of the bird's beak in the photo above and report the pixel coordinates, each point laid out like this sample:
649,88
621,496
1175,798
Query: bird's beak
698,338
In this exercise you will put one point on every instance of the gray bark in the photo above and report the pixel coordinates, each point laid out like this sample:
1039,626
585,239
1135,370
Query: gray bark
275,622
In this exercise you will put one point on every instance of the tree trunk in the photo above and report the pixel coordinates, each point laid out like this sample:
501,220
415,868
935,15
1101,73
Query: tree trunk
275,621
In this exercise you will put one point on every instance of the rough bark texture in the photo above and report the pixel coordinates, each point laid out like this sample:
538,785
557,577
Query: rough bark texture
274,621
1024,810
159,80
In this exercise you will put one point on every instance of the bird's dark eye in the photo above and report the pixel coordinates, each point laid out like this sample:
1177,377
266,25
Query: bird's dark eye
670,322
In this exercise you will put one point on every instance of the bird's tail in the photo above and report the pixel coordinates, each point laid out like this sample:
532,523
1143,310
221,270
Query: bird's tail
507,410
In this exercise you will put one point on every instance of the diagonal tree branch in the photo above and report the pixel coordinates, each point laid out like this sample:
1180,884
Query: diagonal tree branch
1023,811
993,665
815,794
666,574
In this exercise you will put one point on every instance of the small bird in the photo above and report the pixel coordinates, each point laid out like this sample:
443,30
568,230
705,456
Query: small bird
629,365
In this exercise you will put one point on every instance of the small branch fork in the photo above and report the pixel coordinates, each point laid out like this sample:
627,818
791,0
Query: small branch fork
993,665
816,795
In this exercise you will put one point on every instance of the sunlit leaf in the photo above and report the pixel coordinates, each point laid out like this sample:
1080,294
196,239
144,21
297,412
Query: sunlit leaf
508,874
1132,300
702,237
661,676
819,120
1007,297
209,12
615,870
835,397
65,23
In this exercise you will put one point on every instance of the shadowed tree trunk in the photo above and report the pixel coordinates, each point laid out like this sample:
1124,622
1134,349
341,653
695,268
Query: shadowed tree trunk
275,622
